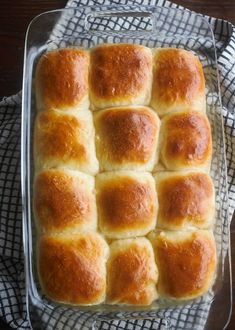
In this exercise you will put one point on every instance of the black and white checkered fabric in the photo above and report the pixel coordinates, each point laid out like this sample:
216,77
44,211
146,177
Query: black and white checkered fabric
12,279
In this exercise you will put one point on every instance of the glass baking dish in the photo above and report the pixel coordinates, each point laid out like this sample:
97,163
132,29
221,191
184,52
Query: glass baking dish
153,27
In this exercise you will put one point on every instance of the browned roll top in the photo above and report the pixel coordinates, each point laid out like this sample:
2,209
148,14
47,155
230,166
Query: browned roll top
186,141
178,81
127,204
186,262
126,137
72,268
64,200
56,136
124,202
130,134
185,199
131,272
63,139
62,78
119,73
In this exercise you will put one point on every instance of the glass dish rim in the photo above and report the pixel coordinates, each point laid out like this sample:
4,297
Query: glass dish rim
25,185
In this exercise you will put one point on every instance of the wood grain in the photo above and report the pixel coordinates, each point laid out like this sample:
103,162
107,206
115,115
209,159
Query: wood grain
14,19
15,16
224,9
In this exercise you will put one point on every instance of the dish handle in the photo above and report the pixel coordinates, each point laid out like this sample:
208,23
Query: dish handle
145,322
96,22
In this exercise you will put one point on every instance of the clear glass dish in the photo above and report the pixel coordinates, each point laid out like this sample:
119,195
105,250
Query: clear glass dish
152,27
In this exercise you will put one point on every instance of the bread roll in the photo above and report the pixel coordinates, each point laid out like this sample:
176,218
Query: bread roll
131,273
65,140
120,74
185,141
186,263
178,82
127,203
127,138
64,201
72,268
62,80
186,199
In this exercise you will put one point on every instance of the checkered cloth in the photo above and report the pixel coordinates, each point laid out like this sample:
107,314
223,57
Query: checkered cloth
12,279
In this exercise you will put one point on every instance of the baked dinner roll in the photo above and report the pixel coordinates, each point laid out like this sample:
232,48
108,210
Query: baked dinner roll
186,263
185,141
186,199
126,138
178,81
72,268
120,74
65,140
126,203
64,201
62,80
131,273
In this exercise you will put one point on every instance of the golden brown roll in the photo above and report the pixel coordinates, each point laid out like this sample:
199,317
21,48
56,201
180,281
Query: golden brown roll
72,268
126,203
131,273
127,138
65,140
186,262
120,74
178,82
64,201
62,80
185,141
186,199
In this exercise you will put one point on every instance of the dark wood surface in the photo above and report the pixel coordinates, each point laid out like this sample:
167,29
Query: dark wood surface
14,18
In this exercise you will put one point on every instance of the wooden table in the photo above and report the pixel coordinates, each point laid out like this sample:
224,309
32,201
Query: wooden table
14,19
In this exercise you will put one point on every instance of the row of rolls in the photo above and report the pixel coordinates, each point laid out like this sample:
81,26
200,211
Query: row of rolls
123,201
